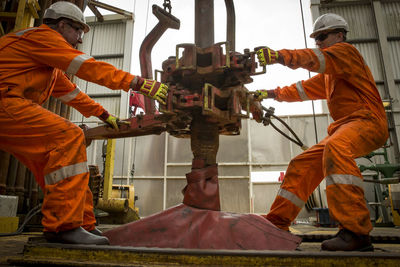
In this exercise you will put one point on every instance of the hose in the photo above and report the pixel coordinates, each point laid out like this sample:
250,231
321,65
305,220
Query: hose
269,112
28,217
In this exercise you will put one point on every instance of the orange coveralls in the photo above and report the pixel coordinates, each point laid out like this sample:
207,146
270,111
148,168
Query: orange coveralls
359,127
33,63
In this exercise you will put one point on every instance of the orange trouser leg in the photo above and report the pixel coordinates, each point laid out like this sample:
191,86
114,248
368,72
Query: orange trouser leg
303,175
344,189
88,217
54,149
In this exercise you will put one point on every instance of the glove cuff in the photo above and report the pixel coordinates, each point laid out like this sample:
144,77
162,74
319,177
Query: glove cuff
104,116
137,83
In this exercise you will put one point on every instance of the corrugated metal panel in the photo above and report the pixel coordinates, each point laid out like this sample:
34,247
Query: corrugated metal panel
394,52
392,18
105,42
108,38
359,17
381,89
370,52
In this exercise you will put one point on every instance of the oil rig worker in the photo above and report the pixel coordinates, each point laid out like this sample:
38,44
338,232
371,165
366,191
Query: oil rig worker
34,64
359,127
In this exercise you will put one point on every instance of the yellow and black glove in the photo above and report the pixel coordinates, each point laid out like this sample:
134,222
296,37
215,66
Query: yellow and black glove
111,120
261,94
150,88
267,56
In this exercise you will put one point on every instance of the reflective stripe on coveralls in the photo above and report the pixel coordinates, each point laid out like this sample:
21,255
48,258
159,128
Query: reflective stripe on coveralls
65,172
76,63
292,197
301,91
344,179
69,96
359,127
321,59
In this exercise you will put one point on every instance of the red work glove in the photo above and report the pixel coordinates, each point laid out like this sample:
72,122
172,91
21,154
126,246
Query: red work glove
150,88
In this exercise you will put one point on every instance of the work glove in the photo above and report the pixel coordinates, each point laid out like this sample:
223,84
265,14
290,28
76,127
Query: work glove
110,120
261,94
113,122
267,56
150,88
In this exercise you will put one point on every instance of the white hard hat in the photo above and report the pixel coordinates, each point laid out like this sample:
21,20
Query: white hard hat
329,21
63,9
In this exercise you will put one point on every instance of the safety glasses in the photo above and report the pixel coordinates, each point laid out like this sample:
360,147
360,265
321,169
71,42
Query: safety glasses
78,29
322,37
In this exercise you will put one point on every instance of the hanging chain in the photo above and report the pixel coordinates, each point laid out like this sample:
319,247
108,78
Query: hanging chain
167,5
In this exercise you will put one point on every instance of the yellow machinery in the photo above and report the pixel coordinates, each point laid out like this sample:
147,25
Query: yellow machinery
25,16
117,200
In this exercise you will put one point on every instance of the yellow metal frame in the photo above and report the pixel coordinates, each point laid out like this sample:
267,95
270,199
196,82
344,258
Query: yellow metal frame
395,214
109,169
25,16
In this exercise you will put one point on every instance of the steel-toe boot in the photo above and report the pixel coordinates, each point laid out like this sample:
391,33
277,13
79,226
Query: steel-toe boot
346,240
96,231
76,236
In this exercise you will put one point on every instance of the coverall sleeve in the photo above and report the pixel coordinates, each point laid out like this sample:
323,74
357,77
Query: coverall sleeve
70,94
311,89
51,49
335,60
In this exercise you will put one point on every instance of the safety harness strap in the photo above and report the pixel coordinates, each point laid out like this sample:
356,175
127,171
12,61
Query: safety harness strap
291,197
65,172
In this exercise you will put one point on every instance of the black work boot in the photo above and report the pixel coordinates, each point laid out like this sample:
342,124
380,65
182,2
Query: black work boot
96,231
346,240
76,236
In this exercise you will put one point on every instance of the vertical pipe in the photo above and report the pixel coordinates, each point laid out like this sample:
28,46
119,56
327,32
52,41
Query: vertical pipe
20,185
230,24
204,23
34,200
204,140
109,169
4,163
12,175
165,171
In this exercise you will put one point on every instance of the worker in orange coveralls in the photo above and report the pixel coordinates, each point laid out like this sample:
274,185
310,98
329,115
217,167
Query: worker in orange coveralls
359,127
33,66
